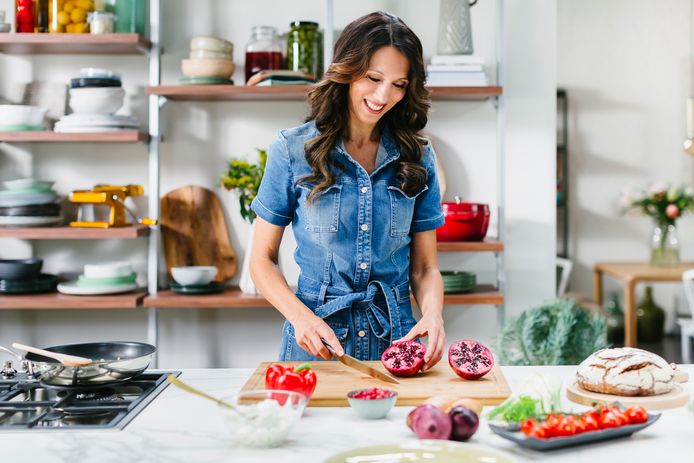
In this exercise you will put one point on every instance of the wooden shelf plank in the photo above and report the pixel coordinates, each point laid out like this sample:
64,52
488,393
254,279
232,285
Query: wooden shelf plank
63,301
234,298
293,93
72,233
126,136
488,245
73,44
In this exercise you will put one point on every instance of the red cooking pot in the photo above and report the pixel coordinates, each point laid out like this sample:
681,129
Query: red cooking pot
464,222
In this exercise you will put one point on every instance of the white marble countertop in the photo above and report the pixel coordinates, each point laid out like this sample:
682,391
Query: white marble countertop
178,427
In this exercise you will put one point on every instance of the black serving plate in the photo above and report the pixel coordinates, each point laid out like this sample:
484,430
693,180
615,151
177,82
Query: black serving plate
513,433
44,283
84,82
41,210
211,288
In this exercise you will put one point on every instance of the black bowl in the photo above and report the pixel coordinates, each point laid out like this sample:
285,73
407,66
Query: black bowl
20,269
84,82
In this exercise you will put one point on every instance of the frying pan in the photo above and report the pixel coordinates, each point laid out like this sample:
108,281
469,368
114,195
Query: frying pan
113,362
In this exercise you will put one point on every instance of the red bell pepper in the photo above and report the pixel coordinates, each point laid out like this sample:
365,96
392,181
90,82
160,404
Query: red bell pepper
299,378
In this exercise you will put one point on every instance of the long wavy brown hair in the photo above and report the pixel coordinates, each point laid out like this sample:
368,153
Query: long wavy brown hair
329,101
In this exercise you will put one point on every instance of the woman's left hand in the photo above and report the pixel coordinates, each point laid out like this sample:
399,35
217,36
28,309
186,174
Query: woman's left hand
430,326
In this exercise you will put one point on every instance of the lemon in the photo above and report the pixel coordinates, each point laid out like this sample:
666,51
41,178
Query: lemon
69,28
78,15
63,18
68,7
84,4
80,28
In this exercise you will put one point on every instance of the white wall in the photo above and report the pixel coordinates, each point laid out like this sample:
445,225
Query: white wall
201,136
626,66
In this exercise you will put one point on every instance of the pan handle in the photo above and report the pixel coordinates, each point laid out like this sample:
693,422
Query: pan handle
11,352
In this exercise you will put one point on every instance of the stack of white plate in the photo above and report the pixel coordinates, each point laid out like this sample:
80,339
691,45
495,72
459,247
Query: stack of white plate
95,123
28,202
98,279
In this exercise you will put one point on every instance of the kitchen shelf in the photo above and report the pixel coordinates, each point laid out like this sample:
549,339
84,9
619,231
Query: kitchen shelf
74,44
69,233
233,298
488,245
293,93
126,136
64,301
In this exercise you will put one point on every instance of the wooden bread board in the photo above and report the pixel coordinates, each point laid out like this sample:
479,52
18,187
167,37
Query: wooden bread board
336,380
677,397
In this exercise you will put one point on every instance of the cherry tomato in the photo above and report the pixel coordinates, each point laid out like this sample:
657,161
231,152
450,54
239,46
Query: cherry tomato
579,425
566,426
610,420
540,431
527,426
637,414
590,422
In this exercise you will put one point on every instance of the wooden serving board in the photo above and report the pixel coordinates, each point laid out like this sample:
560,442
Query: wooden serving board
195,232
336,380
677,397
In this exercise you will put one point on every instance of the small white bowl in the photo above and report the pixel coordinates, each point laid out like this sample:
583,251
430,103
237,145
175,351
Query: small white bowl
194,274
106,100
207,54
108,270
203,42
11,114
208,67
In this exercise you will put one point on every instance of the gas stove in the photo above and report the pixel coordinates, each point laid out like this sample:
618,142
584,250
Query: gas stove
28,405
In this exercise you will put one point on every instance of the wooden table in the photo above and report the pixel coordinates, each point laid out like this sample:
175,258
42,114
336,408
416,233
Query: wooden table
632,273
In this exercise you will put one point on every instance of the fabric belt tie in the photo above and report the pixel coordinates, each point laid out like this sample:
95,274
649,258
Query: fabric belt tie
379,317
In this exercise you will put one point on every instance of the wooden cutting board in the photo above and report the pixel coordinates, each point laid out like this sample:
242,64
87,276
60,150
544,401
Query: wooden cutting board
336,380
194,231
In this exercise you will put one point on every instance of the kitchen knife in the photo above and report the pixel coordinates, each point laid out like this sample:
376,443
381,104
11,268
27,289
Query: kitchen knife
358,365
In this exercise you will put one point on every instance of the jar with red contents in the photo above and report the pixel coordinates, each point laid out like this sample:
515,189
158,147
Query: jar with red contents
24,15
264,51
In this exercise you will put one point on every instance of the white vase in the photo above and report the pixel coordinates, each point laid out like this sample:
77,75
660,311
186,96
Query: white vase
455,30
246,284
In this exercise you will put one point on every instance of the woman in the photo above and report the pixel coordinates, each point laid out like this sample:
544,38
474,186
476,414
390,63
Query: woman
359,187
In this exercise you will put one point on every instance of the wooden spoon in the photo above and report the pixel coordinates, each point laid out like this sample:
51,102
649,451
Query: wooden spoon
65,359
186,387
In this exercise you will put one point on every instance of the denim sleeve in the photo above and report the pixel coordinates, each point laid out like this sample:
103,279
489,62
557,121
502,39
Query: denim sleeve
275,201
427,210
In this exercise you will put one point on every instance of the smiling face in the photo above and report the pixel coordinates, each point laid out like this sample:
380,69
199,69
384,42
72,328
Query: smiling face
381,88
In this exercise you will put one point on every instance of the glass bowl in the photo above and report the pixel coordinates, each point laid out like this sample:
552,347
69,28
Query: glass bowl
372,408
262,418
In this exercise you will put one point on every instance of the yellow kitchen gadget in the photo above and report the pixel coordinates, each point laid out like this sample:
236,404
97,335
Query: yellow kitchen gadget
112,196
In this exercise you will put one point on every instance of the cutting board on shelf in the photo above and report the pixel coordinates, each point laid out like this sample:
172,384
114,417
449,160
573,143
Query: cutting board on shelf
194,231
336,380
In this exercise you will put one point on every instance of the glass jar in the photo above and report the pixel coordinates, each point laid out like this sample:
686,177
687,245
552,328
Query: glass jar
305,49
24,15
69,16
665,246
131,15
101,22
263,52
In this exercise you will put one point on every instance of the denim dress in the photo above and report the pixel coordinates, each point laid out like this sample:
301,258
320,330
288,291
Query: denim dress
353,241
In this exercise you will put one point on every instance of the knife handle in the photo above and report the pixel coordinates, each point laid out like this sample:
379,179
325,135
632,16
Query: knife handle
329,347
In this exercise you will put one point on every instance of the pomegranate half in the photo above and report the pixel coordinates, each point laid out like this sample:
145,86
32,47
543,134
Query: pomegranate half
470,359
404,358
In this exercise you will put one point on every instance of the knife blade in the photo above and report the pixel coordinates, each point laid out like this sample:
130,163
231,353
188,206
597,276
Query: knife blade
360,366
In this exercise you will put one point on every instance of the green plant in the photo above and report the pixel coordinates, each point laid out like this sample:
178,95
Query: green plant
244,177
557,333
665,204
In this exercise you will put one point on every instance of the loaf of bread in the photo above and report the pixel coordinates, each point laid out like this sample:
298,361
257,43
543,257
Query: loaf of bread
625,371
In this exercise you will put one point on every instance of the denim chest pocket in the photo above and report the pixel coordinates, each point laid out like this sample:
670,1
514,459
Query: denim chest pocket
401,210
323,214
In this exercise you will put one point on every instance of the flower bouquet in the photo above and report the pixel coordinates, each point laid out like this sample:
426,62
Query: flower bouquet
245,177
664,204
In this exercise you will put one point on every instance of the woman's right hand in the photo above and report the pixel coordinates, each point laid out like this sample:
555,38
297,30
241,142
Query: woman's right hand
308,331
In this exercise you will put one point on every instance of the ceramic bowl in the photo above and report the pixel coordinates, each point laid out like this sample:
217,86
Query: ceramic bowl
194,274
20,269
206,54
21,115
99,73
108,270
203,42
102,100
207,67
262,418
5,27
372,409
